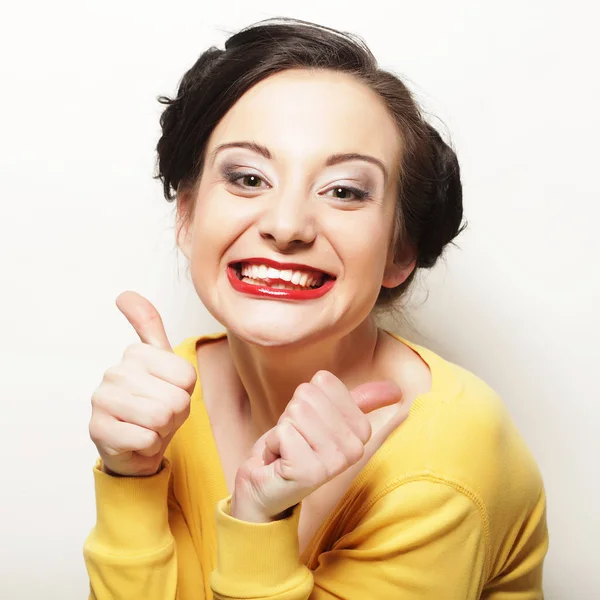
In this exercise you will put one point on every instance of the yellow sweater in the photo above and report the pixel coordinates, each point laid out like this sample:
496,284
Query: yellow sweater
451,507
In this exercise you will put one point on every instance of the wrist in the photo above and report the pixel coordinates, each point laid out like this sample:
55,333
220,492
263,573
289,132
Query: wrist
112,473
245,510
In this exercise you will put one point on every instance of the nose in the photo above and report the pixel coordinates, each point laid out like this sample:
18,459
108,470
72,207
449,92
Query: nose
288,222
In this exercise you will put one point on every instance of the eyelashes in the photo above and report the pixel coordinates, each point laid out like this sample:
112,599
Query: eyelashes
248,181
359,195
234,178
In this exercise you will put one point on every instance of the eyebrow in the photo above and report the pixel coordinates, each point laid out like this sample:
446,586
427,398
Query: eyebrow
331,160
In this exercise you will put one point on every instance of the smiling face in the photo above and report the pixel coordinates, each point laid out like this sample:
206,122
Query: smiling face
293,216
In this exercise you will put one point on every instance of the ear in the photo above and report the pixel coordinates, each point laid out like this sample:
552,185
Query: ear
397,271
395,274
185,222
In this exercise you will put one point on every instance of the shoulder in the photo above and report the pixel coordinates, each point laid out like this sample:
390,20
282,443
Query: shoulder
474,438
461,434
460,449
468,425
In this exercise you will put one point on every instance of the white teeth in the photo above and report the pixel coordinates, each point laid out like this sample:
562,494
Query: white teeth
285,278
275,284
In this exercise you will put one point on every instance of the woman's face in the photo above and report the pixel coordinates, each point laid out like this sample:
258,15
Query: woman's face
289,240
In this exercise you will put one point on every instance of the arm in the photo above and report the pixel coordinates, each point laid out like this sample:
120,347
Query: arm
422,540
136,411
519,575
131,552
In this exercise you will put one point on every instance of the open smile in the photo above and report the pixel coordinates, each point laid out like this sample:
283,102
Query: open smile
270,279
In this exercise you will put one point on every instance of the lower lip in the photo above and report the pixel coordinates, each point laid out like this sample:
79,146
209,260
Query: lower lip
264,291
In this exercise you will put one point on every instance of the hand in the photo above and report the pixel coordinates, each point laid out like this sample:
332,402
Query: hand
322,433
144,399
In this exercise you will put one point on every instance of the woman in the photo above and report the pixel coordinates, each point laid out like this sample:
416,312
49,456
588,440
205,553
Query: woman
305,453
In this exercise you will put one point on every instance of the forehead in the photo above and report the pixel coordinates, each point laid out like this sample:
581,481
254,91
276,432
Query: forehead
301,112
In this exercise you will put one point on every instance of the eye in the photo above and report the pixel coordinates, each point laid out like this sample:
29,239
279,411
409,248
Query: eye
349,194
251,180
244,180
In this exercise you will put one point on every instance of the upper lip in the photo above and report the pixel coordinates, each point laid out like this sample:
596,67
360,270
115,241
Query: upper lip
280,266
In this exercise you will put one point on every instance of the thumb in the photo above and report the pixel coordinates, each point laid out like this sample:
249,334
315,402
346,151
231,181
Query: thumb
144,318
376,394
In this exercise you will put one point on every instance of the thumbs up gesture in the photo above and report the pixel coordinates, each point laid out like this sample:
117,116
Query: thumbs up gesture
143,400
323,432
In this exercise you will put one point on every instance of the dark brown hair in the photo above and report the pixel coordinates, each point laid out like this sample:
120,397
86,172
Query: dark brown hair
429,204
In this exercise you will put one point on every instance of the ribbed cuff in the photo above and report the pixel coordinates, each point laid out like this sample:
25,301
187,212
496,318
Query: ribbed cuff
257,559
131,512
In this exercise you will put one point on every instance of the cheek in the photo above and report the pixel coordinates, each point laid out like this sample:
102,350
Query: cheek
366,246
220,218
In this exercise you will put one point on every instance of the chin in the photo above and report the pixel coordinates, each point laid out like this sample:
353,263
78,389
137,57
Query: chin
271,332
272,323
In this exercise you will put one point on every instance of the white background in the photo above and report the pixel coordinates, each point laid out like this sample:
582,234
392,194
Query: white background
516,85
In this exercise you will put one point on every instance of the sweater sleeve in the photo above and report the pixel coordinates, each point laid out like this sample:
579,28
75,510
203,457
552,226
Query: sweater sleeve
419,540
131,551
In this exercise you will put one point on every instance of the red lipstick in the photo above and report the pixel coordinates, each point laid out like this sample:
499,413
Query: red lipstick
265,291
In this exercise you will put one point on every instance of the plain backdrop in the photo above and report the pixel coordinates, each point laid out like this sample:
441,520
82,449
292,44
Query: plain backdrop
515,85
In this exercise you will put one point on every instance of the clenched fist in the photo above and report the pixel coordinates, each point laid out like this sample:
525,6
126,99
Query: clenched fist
144,399
323,432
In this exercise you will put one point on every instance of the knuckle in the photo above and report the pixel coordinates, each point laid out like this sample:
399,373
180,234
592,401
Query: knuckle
363,428
180,401
188,375
184,374
148,439
134,350
330,472
159,418
100,399
335,466
272,436
284,426
294,411
183,414
98,434
304,395
95,431
97,398
355,449
303,392
112,452
115,373
322,377
339,463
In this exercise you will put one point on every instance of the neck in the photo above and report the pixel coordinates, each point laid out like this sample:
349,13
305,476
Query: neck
270,375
